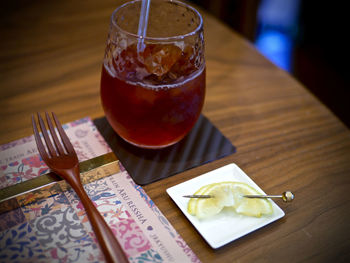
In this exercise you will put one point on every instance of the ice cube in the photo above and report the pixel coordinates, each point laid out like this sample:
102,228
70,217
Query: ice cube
127,64
158,59
185,64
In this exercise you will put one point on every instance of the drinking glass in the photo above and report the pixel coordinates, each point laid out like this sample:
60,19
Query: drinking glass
153,86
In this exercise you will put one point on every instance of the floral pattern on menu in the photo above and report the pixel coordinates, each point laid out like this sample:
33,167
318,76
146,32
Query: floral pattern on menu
51,224
19,244
44,206
19,160
162,219
19,171
131,236
149,256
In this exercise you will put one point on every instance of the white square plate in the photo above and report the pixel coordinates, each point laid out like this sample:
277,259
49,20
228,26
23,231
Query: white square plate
225,226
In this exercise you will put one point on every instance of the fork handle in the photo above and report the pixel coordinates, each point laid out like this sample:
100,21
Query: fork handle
110,246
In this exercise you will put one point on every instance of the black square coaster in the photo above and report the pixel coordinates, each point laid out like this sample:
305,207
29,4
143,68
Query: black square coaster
205,143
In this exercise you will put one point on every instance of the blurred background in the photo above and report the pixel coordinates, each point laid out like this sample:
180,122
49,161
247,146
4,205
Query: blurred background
308,39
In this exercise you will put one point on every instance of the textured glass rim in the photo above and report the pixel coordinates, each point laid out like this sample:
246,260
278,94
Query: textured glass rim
173,38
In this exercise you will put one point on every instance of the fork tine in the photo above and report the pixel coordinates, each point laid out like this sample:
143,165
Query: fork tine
54,135
47,139
68,145
39,143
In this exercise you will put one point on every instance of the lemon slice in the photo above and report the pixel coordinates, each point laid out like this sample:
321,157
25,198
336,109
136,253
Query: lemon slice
228,194
250,206
192,204
211,206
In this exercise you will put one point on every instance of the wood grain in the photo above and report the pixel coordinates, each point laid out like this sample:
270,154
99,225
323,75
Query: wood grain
51,54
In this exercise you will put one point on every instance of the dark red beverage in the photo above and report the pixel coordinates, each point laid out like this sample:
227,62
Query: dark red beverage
158,111
153,74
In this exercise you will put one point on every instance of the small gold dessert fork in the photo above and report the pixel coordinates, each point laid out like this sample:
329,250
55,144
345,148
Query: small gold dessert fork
63,160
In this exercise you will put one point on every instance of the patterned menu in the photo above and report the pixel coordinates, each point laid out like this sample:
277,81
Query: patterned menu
56,228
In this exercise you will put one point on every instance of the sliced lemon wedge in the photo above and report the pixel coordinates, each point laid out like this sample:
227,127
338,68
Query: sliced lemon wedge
192,203
228,194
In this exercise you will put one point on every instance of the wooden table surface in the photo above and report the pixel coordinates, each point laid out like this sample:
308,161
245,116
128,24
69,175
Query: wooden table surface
51,54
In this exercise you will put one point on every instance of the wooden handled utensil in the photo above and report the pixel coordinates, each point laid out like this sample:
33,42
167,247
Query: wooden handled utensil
62,160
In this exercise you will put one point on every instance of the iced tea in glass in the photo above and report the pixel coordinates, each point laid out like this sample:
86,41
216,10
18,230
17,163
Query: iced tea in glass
153,87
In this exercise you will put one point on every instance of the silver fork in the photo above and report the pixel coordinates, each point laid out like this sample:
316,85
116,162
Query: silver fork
63,160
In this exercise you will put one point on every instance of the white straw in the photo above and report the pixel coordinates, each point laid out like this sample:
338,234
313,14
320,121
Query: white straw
143,21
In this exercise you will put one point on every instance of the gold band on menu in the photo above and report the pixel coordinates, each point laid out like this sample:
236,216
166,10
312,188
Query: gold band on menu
50,184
